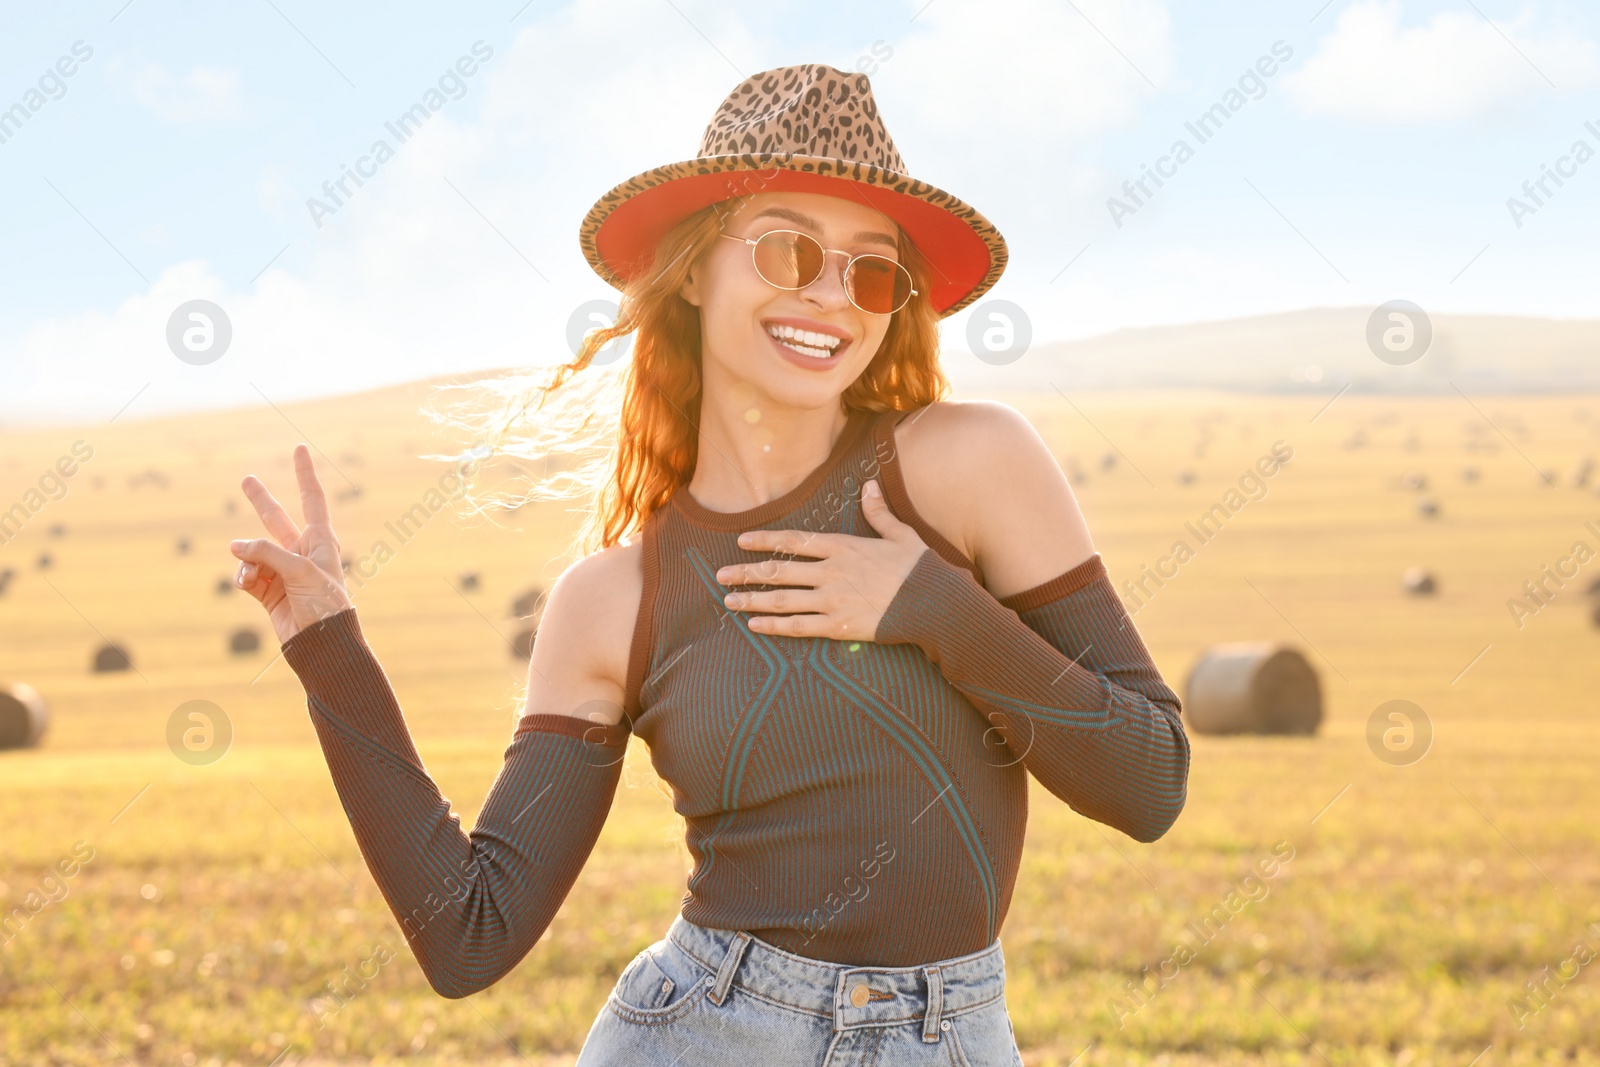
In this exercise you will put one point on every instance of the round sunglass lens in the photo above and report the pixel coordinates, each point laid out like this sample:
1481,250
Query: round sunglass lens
878,284
788,259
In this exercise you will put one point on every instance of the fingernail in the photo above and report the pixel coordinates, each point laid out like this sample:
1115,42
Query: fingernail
872,488
722,575
235,545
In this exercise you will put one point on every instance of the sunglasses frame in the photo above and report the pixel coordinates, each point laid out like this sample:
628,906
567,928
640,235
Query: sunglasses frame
844,276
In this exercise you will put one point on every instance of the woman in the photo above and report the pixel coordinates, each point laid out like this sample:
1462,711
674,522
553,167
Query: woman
847,692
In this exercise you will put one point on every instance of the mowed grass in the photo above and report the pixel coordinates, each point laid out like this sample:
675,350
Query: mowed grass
222,900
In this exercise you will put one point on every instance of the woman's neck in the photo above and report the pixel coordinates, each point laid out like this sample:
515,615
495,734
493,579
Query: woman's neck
752,451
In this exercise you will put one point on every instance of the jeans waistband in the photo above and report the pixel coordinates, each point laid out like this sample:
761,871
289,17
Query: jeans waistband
853,997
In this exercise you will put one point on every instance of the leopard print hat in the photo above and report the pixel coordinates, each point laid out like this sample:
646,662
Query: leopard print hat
808,128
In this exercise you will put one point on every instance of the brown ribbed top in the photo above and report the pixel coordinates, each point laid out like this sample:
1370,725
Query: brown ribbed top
862,802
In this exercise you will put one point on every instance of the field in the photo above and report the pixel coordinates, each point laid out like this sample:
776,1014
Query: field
1423,895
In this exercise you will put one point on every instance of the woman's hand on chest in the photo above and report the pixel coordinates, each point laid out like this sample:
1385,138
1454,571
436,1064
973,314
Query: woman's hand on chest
841,591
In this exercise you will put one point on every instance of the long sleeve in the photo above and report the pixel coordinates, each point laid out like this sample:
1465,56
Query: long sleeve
1065,678
471,905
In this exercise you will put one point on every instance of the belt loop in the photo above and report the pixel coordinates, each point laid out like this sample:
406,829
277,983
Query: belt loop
730,963
930,1018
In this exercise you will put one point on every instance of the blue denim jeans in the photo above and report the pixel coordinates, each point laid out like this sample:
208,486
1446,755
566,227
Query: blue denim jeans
702,997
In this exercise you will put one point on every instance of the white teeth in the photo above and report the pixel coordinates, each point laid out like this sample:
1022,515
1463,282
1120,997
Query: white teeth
823,342
805,350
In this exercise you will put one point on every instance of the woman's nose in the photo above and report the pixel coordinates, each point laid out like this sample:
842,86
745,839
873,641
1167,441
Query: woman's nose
828,290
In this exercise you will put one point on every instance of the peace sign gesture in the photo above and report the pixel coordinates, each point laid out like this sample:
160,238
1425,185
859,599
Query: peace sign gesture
299,580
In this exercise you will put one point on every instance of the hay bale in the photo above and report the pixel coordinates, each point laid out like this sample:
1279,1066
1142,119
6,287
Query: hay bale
183,546
522,643
1418,581
1186,477
1108,461
44,561
110,658
1427,507
58,530
529,603
23,716
1255,687
225,586
1470,474
244,641
230,506
468,582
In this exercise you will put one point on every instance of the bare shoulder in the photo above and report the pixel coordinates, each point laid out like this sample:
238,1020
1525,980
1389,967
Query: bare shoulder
580,657
981,474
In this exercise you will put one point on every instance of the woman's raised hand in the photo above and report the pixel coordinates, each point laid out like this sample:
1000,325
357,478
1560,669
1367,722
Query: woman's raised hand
299,580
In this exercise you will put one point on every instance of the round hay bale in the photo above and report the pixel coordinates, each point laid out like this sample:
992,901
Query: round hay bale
58,530
183,546
230,506
44,561
23,716
110,658
244,641
1254,687
225,586
1108,461
528,603
1470,474
1418,581
468,582
522,643
1186,477
1427,507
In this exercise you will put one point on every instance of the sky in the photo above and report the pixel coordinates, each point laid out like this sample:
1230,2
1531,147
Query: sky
1383,157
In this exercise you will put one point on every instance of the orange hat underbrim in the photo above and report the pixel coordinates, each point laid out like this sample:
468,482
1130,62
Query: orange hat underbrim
966,252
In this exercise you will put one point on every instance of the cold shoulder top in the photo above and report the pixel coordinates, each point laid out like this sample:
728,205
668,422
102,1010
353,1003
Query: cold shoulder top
860,802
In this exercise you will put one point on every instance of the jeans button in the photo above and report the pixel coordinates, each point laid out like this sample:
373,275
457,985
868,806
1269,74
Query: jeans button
859,994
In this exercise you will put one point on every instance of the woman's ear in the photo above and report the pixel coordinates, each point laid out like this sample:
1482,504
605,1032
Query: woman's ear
690,289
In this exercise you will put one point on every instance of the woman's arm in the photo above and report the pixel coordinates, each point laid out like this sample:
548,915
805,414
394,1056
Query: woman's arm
1067,683
1047,651
471,905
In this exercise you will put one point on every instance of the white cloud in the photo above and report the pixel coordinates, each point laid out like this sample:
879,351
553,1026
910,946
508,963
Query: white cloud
205,94
984,97
1372,70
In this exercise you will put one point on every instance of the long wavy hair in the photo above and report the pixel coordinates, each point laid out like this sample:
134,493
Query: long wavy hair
627,439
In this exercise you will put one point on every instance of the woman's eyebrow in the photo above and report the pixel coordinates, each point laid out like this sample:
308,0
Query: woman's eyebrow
803,219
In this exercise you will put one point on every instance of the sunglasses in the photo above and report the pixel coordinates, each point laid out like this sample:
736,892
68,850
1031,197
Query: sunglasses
789,259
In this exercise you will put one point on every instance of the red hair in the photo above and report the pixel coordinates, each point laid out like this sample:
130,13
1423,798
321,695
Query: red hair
658,429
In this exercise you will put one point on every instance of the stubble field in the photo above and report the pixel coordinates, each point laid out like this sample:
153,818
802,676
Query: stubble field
223,902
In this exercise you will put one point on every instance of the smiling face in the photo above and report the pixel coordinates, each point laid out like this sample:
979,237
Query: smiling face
740,312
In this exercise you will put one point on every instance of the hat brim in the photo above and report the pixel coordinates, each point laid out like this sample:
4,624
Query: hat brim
966,252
